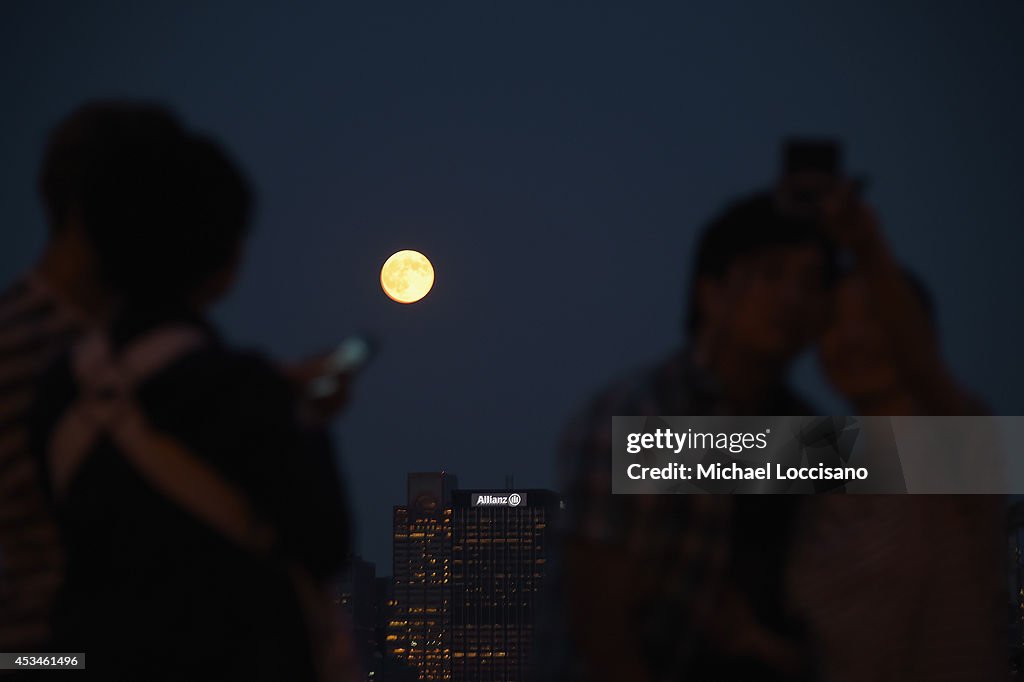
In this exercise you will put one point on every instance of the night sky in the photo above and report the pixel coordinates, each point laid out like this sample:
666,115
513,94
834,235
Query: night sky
554,162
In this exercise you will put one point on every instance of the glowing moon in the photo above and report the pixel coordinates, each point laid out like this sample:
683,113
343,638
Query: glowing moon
407,276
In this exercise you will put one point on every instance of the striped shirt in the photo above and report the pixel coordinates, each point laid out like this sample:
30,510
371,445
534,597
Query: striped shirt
35,329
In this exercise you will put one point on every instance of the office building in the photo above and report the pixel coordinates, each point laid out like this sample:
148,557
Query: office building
500,548
418,633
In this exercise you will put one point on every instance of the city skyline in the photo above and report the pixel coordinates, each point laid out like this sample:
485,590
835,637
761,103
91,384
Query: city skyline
469,578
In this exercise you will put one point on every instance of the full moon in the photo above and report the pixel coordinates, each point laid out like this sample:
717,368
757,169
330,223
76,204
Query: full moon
407,276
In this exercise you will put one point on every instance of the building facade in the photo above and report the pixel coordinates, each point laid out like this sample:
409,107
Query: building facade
500,548
418,634
357,596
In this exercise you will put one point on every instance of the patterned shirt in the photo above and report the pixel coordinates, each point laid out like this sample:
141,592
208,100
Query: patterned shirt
35,328
684,542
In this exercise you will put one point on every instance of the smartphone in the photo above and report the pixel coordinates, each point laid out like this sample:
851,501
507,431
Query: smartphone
349,357
811,167
809,155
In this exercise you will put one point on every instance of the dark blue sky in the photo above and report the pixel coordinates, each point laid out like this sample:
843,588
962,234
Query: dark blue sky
554,161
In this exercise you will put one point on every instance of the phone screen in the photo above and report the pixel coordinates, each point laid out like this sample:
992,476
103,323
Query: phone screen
350,356
822,156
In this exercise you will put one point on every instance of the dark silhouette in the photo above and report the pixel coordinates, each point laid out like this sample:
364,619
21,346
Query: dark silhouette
870,598
40,315
169,576
691,587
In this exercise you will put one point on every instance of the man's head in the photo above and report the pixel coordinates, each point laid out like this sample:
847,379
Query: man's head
761,281
855,354
92,145
76,167
171,229
165,210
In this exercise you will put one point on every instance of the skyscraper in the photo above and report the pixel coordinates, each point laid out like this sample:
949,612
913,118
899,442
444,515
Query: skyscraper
356,594
501,543
418,631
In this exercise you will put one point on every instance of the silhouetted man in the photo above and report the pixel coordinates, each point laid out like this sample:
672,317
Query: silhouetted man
691,587
200,515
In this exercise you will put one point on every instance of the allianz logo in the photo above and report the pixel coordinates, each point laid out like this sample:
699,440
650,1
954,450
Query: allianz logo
512,500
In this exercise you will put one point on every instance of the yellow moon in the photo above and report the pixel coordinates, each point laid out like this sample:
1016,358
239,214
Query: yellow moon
407,276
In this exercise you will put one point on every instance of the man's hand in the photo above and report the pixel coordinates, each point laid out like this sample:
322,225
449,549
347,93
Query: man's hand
851,222
314,373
